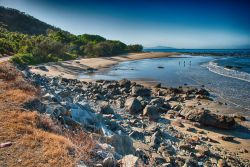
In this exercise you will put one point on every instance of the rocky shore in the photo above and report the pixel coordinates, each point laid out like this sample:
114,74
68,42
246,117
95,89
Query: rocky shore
139,126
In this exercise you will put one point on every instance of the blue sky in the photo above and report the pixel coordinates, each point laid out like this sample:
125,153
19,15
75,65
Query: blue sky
179,23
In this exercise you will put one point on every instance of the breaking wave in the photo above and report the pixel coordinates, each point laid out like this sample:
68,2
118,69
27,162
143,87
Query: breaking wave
215,68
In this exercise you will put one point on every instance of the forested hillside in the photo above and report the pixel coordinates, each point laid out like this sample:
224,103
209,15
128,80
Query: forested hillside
14,20
21,37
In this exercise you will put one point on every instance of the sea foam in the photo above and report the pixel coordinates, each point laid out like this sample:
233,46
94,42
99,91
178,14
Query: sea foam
215,68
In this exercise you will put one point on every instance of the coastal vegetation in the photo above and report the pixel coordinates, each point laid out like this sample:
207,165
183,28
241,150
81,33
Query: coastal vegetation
50,44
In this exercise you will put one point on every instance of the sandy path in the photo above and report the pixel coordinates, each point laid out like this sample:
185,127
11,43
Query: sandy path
71,69
3,59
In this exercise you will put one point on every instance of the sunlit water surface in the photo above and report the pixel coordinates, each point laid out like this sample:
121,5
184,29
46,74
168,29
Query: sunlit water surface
231,85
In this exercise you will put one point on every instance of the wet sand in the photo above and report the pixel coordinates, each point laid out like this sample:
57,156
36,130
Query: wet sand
71,69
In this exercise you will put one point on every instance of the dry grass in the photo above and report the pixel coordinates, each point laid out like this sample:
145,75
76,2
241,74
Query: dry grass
31,146
37,140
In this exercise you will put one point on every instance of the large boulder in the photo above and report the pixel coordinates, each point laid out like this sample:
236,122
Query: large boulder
133,105
203,92
137,135
125,83
120,102
140,91
35,104
105,108
123,144
158,102
152,112
219,121
109,161
208,118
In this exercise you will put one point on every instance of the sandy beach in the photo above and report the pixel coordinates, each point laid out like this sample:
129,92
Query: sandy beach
70,69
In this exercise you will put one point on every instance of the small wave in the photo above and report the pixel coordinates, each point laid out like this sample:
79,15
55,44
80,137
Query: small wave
215,68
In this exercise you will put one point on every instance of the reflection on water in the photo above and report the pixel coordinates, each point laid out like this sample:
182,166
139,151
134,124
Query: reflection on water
187,70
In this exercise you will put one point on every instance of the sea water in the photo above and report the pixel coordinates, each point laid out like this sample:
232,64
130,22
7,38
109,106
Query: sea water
227,77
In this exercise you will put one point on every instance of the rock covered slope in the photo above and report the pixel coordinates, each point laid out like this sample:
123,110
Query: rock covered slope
138,126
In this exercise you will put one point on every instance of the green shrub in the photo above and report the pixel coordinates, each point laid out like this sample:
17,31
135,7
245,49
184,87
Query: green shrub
22,59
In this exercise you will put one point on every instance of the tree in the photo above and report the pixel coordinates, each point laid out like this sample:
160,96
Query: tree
102,49
86,38
135,48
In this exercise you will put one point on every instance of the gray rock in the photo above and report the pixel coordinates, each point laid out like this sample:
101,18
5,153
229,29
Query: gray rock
205,117
110,161
99,96
158,102
152,112
105,108
133,105
114,126
143,101
137,135
166,105
142,155
178,107
123,144
35,104
203,92
125,83
158,159
156,140
158,85
43,68
120,103
226,138
202,149
140,91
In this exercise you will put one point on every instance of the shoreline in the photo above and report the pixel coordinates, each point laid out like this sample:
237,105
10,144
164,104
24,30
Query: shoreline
178,112
72,68
163,124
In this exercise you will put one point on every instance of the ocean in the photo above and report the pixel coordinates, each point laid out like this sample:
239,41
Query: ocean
227,77
239,52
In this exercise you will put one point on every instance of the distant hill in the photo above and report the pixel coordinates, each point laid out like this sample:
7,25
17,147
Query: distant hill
14,20
160,47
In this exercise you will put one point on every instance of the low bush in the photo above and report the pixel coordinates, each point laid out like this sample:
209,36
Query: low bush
29,59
